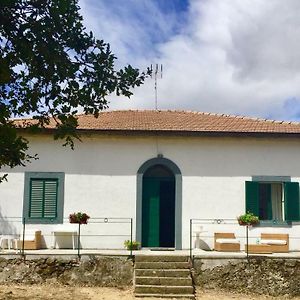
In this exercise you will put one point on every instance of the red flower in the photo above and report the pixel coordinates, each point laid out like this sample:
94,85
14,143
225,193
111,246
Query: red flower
79,218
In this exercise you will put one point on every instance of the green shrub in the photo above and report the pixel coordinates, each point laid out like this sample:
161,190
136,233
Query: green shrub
248,219
132,245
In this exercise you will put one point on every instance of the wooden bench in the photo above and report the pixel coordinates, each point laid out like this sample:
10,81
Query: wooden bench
258,248
278,242
226,242
32,240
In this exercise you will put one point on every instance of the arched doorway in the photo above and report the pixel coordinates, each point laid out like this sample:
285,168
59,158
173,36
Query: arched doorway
158,207
158,218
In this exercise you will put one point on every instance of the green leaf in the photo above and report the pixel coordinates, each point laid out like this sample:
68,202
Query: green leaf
51,67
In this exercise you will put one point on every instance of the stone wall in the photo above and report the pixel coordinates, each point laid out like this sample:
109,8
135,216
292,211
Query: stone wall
261,275
90,271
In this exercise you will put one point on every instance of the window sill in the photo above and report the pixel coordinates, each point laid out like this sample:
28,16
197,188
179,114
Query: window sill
42,221
274,223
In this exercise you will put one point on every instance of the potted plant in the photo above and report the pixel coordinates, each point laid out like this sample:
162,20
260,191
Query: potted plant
79,218
132,245
248,219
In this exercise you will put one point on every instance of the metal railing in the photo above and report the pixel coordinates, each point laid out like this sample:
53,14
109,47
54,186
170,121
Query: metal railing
102,232
203,230
110,233
194,232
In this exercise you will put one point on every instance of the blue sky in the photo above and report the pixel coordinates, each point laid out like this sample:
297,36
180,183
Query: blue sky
224,56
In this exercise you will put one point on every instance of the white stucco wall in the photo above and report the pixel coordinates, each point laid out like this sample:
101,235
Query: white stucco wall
100,179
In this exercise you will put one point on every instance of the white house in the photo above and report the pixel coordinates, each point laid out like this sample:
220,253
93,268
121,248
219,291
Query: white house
160,168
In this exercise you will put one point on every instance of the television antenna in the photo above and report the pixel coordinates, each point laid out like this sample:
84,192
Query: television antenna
156,72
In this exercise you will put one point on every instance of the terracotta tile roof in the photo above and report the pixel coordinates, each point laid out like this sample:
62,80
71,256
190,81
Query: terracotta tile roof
182,121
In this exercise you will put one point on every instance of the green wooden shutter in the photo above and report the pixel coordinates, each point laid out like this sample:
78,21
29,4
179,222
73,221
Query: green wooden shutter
252,197
50,199
43,198
36,198
291,201
150,213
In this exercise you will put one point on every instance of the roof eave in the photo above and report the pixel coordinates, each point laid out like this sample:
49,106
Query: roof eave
199,133
127,132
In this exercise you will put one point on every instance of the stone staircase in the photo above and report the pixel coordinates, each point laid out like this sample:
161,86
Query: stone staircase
163,276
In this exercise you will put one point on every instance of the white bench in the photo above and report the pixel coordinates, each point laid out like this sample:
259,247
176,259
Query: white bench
67,229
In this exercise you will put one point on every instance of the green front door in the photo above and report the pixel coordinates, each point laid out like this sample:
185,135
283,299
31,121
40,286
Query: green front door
158,212
150,214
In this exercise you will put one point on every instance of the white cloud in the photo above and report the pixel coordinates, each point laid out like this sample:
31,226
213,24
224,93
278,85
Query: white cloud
231,56
131,27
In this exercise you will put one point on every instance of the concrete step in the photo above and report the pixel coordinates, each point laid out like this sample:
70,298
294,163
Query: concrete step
169,296
170,281
157,258
163,289
162,265
163,276
162,273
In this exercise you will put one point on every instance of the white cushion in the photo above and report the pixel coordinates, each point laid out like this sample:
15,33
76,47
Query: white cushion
227,241
273,242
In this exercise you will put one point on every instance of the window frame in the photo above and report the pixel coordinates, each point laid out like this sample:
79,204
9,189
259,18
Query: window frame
282,188
60,176
274,179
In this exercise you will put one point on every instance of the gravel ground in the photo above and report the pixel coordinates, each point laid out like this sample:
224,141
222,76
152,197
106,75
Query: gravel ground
58,292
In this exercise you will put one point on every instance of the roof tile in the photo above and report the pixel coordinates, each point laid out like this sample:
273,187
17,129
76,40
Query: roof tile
182,121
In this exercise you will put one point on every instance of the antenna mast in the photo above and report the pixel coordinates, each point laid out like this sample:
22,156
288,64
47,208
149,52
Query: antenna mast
157,72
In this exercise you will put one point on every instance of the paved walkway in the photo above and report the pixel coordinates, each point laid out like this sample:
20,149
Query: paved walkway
198,253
